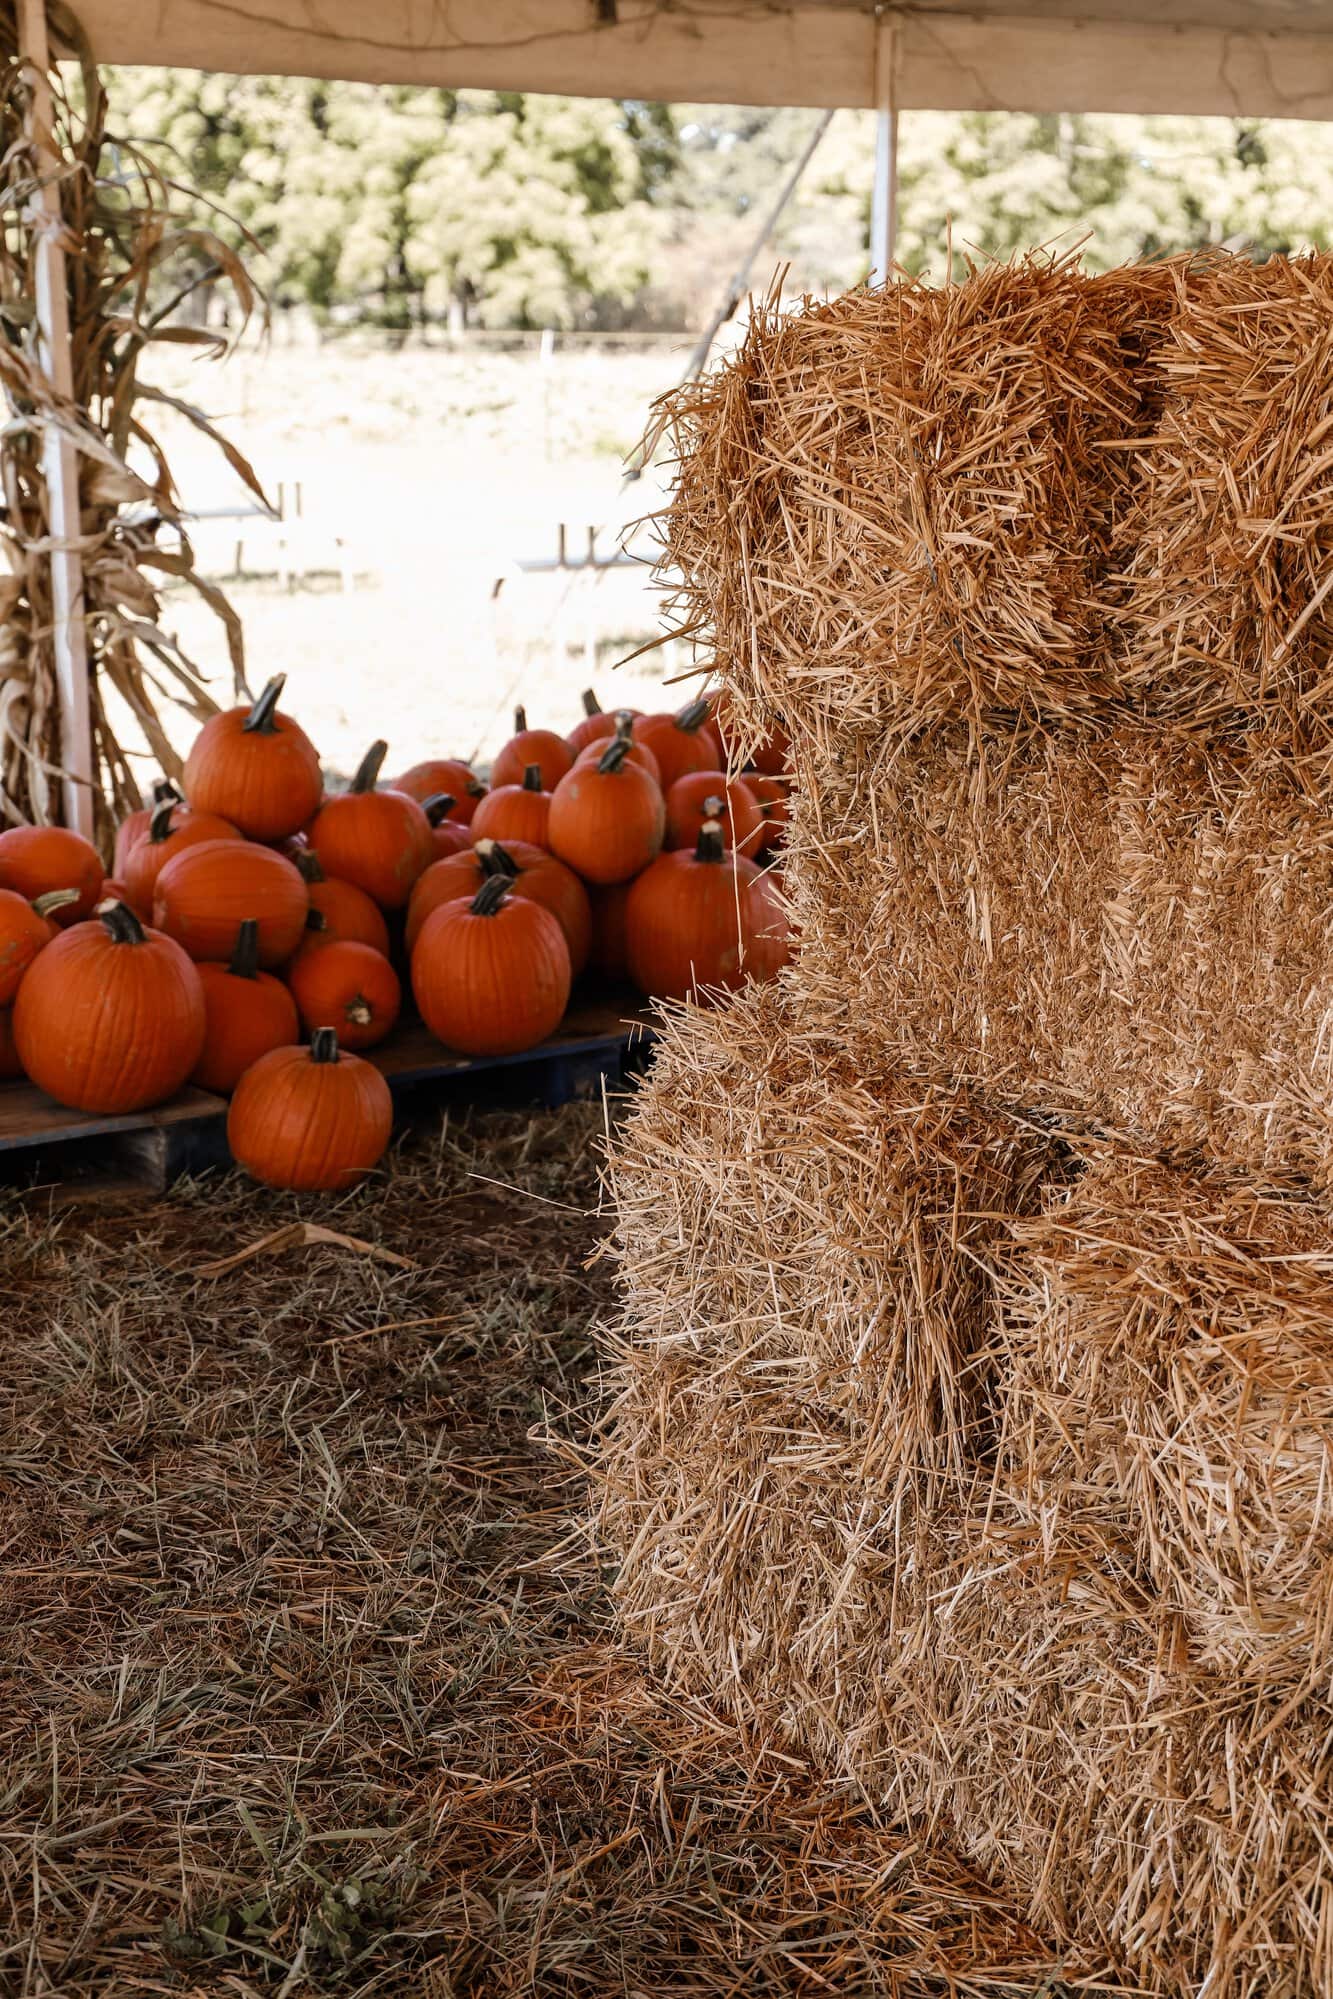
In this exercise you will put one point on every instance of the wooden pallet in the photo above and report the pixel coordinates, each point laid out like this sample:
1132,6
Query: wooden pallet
599,1043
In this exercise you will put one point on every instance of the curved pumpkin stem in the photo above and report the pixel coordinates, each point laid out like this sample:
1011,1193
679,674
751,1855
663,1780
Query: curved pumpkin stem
164,788
121,924
55,898
316,922
692,715
245,958
496,860
261,721
159,826
438,807
368,770
476,789
591,705
491,895
324,1045
307,864
709,847
614,755
532,777
520,720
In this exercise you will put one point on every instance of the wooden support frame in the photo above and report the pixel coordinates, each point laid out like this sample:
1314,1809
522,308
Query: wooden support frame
59,457
884,202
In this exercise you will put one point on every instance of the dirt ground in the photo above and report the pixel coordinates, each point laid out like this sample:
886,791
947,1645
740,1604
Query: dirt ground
307,1677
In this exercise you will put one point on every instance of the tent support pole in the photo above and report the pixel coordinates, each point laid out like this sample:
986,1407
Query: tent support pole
59,459
884,204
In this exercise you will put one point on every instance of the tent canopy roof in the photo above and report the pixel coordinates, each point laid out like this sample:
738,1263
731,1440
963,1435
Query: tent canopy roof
1252,58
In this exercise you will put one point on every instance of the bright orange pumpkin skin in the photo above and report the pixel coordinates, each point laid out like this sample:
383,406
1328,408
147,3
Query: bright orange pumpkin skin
147,857
491,985
350,916
463,874
444,774
107,1026
742,820
639,753
544,879
245,1018
136,823
10,1066
607,825
256,767
513,813
551,754
380,841
312,1126
36,859
349,987
24,931
598,728
448,836
206,892
678,751
692,925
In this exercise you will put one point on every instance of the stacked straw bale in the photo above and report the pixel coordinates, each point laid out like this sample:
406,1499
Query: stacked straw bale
973,1426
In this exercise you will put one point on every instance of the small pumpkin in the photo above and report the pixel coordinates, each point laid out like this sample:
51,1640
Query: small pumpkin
515,811
539,875
340,911
461,875
595,726
609,956
256,767
34,860
440,774
694,921
206,892
682,742
380,841
135,824
638,753
25,929
607,819
11,1069
172,828
707,794
551,754
247,1012
448,836
349,987
110,1017
315,1120
491,976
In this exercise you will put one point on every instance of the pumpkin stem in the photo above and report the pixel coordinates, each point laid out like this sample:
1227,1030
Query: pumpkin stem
359,1010
261,719
709,847
163,787
368,770
625,723
614,755
245,957
496,860
520,720
307,864
532,777
490,896
324,1045
316,921
121,924
476,789
438,807
591,705
55,898
692,714
159,826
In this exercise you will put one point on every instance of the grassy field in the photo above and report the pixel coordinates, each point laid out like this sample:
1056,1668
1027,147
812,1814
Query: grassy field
425,477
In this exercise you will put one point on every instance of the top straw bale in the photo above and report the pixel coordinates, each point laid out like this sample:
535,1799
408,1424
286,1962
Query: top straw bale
900,507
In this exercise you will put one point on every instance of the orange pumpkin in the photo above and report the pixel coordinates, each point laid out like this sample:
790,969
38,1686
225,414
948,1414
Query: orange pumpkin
459,876
448,836
378,840
515,811
707,794
773,942
205,893
171,829
772,796
34,860
607,818
773,754
348,987
609,957
311,1119
428,780
637,753
694,921
339,911
595,726
551,754
25,929
10,1066
112,891
136,823
257,768
247,1013
110,1017
540,876
681,742
491,976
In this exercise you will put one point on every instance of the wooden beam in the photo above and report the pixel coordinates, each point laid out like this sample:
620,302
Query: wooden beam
884,202
59,458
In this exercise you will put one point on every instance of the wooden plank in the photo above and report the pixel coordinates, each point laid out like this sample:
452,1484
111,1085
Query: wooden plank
29,1117
413,1054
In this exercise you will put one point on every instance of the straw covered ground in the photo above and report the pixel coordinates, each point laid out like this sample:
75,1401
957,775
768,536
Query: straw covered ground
306,1679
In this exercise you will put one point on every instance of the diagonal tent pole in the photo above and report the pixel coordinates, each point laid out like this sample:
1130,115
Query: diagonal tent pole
884,203
59,458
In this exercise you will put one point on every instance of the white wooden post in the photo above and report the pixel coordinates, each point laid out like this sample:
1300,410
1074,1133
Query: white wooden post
884,202
60,462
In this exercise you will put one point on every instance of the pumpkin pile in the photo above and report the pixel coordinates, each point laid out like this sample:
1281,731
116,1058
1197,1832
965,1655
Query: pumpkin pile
259,933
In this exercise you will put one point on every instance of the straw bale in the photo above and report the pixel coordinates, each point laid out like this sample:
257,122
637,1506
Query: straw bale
902,506
1227,551
1132,930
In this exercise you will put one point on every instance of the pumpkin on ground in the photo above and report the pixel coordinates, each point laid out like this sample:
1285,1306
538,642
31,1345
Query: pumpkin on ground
533,872
447,836
312,1119
136,823
609,956
681,742
257,768
697,921
380,841
349,987
10,1066
247,1012
491,976
444,774
637,753
707,794
34,860
607,819
339,911
515,811
170,831
205,893
110,1017
25,929
551,754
